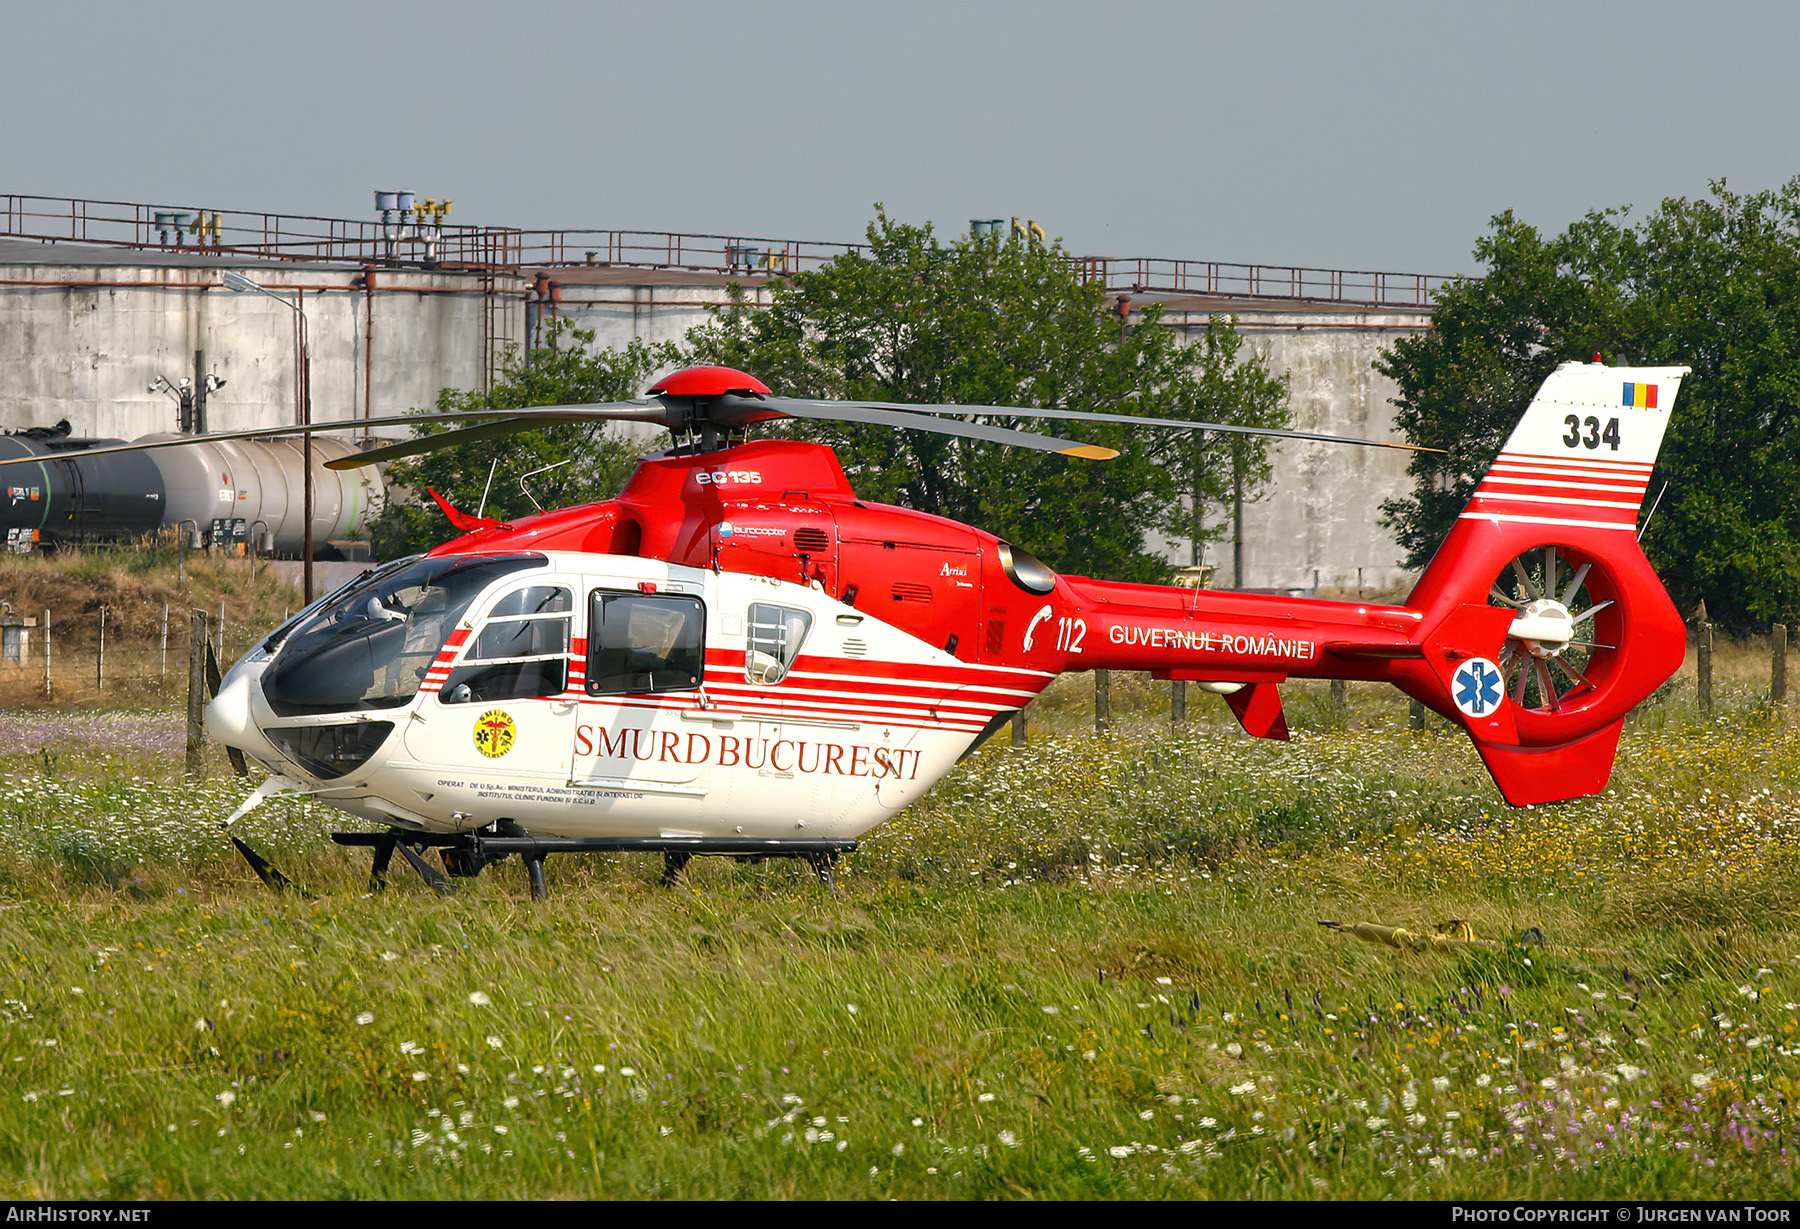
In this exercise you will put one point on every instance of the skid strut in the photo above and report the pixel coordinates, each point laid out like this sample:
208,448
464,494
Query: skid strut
466,854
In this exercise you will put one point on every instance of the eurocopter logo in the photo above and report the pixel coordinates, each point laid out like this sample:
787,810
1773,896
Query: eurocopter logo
1477,687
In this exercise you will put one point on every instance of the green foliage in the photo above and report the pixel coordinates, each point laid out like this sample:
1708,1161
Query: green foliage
565,370
981,322
1711,284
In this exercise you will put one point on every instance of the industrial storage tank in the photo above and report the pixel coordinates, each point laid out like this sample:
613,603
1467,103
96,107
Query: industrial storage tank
227,490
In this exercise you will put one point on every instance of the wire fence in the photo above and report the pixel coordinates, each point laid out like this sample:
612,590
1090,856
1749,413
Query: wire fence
85,669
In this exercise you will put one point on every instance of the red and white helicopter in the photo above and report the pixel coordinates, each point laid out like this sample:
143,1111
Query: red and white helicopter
738,656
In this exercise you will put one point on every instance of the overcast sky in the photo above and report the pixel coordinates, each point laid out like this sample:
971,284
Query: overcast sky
1374,135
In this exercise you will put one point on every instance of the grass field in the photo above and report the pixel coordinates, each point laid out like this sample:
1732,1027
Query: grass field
1090,968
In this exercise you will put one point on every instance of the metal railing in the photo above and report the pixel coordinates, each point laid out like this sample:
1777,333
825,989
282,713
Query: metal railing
271,236
302,238
639,249
1233,281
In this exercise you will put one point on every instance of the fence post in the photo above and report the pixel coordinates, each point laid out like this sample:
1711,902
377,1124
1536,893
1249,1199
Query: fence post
162,667
1102,699
1340,694
1018,728
196,705
100,657
1416,716
47,692
1703,658
1778,636
1178,702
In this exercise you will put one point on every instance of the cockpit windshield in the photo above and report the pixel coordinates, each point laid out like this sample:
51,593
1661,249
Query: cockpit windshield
369,647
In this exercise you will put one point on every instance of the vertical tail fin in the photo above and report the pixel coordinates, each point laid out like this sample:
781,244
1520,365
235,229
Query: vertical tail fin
1570,626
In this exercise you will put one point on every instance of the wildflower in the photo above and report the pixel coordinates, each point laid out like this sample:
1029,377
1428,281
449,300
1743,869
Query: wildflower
479,999
366,1017
226,1097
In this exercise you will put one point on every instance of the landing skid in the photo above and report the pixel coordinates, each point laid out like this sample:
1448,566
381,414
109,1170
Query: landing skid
467,854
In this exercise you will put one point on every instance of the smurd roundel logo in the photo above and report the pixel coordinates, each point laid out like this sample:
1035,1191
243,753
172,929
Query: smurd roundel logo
1477,687
495,733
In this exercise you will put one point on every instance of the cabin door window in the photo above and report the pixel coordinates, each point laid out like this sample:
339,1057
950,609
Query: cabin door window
644,643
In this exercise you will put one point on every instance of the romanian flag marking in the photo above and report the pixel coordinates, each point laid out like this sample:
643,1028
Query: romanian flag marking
1641,396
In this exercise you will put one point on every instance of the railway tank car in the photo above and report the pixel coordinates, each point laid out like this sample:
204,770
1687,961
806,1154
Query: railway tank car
228,491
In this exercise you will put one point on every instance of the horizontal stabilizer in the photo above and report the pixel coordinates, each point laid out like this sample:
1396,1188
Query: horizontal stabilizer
1397,650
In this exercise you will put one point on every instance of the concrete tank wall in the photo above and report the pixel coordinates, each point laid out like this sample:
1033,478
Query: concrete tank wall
83,341
1319,520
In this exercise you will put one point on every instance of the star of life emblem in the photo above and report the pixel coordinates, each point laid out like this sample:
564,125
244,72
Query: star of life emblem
1477,687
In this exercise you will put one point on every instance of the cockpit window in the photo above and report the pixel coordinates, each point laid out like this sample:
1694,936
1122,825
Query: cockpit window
521,653
369,647
643,642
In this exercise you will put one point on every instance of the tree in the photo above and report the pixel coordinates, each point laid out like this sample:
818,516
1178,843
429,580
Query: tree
1211,468
985,322
591,460
1711,284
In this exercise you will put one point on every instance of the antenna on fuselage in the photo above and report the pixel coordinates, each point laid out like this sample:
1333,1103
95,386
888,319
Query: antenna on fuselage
488,485
540,469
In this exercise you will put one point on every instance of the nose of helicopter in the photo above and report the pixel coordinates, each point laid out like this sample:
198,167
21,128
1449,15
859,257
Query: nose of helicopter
231,721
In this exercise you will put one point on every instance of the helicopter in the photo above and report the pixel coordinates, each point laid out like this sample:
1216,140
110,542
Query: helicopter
737,656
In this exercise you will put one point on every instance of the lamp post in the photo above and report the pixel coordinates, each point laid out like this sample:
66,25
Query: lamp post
303,393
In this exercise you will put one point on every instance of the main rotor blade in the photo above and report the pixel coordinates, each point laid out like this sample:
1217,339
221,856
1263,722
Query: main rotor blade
626,411
1176,424
894,416
445,439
